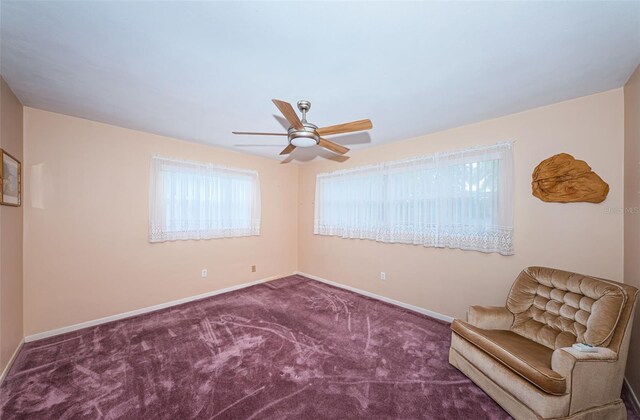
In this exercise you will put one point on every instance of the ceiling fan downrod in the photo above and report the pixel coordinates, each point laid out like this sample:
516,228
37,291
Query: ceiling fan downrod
304,106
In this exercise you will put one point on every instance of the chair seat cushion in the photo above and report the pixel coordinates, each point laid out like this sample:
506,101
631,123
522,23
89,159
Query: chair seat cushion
530,360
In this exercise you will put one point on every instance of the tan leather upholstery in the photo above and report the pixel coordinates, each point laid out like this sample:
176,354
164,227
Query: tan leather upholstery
521,354
530,360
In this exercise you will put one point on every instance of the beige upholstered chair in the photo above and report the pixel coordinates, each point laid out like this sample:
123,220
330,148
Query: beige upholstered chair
521,354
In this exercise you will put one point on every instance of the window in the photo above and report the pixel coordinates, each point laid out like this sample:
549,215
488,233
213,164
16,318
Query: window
459,199
190,200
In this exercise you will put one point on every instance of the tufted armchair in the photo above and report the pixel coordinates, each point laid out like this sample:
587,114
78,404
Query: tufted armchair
521,354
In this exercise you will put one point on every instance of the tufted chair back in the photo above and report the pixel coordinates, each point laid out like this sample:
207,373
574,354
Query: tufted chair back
557,308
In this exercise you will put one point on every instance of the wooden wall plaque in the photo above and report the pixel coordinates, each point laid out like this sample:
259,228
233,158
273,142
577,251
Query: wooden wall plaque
564,179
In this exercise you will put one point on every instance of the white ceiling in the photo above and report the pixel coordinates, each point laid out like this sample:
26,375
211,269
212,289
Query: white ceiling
198,70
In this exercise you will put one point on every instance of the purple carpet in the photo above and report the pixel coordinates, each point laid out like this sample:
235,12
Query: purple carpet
291,348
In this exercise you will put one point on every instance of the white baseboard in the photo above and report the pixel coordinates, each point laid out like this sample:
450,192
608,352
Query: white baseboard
11,360
92,323
634,397
379,297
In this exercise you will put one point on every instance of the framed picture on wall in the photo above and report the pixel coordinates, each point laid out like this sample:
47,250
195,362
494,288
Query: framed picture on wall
10,172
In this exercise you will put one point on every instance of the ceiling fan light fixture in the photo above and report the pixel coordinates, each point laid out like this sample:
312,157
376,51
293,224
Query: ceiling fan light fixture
303,141
304,138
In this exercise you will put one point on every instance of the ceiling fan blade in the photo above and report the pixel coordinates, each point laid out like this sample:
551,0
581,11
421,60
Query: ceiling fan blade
250,133
289,113
288,149
338,158
345,128
334,147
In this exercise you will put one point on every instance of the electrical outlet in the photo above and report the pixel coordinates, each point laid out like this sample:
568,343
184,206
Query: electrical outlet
383,275
253,268
205,273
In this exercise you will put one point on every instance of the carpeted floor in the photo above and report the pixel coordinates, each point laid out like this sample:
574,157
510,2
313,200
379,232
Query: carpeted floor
291,348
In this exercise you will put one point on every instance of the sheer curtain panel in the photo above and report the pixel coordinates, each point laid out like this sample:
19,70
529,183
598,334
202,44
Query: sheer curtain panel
191,200
461,199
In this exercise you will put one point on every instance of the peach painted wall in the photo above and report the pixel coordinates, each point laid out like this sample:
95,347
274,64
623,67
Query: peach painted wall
632,219
10,234
87,253
581,237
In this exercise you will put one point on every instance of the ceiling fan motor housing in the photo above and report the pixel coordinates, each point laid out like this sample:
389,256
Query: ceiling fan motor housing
304,138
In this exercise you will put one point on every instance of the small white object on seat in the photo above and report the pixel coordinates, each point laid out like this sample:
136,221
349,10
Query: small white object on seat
585,348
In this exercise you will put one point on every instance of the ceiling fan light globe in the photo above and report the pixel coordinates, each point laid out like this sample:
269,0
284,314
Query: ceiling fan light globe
303,142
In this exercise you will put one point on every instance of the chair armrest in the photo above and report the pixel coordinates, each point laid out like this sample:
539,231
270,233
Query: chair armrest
490,317
568,356
581,368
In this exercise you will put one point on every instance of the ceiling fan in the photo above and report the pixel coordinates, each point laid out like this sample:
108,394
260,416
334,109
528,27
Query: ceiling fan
302,133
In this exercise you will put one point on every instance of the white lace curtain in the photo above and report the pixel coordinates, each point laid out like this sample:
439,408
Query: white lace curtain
461,199
191,200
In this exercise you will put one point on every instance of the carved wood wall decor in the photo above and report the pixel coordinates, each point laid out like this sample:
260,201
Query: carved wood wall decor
564,179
